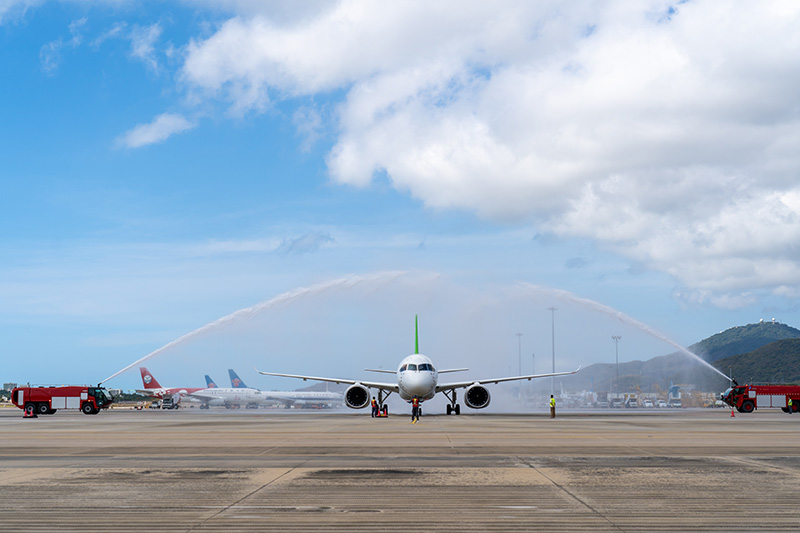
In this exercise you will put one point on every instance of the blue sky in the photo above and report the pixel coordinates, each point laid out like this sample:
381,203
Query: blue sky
164,165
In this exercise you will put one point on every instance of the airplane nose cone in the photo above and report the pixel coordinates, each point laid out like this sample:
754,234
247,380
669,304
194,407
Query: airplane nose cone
420,384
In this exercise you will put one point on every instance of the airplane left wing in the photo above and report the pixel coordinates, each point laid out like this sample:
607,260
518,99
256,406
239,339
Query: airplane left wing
369,384
463,384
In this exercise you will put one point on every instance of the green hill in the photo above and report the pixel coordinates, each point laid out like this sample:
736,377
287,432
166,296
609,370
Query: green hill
742,339
777,362
763,352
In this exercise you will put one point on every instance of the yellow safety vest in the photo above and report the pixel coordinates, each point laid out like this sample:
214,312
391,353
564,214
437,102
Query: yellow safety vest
552,402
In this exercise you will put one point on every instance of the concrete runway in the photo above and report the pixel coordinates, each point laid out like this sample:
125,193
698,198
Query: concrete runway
192,470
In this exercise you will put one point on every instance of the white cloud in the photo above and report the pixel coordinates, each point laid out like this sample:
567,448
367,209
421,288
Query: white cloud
16,9
143,40
50,53
668,133
162,127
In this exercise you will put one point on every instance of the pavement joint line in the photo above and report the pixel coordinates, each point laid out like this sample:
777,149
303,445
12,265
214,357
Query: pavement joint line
226,507
767,466
568,493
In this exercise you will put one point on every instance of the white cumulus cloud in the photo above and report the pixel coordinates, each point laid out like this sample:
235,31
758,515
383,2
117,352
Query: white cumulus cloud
669,132
160,129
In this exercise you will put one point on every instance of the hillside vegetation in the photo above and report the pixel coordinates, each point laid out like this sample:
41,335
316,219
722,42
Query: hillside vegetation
763,352
777,362
742,339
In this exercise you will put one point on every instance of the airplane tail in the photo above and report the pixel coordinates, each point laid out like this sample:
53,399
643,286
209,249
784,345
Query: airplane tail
236,382
210,382
148,380
416,334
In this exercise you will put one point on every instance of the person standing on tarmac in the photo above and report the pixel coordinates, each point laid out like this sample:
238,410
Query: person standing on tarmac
374,407
414,410
552,407
790,406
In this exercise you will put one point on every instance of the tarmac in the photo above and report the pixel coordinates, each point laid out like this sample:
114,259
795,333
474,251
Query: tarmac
276,470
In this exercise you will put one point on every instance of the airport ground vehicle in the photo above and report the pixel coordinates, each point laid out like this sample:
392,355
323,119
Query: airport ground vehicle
47,400
747,398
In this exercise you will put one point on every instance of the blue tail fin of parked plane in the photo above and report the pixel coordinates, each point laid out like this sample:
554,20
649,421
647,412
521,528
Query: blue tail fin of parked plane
210,382
236,383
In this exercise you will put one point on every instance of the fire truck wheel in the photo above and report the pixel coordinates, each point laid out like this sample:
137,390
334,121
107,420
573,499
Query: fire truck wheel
795,406
30,409
748,406
88,409
43,408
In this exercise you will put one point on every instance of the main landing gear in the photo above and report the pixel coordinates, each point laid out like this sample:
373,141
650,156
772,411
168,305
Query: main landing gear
383,409
453,406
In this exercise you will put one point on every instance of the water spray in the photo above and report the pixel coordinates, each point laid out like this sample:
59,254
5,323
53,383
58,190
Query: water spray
622,317
285,298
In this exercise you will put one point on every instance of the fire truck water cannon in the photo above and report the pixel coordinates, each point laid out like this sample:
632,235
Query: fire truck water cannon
46,400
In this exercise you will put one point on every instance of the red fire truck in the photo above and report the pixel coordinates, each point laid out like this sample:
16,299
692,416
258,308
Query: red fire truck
47,400
747,398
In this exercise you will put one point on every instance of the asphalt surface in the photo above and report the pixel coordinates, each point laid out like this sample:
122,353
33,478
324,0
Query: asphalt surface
192,470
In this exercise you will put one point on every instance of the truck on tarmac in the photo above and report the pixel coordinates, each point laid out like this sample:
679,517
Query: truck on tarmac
47,400
748,398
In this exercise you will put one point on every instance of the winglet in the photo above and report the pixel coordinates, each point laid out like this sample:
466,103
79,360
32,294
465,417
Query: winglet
416,334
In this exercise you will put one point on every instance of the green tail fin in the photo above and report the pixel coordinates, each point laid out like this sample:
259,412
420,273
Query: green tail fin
416,334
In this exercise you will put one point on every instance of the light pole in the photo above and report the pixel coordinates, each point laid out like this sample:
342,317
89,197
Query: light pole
616,339
553,379
519,336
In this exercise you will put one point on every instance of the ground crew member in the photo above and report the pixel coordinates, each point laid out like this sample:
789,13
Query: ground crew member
374,407
790,406
552,407
414,410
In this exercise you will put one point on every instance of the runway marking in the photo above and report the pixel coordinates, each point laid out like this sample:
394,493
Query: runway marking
568,493
226,507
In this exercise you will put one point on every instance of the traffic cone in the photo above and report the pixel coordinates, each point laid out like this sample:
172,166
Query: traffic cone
26,414
732,415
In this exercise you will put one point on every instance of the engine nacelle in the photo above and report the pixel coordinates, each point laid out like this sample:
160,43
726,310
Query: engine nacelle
356,397
477,397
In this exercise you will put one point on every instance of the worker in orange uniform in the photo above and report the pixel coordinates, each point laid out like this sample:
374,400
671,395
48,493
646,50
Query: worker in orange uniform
552,407
414,410
374,407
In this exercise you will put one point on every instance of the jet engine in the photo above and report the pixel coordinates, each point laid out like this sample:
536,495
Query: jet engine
477,397
356,396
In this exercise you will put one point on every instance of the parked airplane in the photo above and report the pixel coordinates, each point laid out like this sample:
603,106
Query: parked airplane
230,397
416,376
291,398
153,388
210,383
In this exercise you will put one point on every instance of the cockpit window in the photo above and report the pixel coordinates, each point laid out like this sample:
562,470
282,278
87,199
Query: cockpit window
412,367
403,368
426,366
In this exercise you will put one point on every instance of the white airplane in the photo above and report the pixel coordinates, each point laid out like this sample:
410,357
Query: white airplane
230,397
416,376
291,398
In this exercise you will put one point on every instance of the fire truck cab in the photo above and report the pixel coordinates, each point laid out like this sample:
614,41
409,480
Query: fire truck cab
47,400
747,398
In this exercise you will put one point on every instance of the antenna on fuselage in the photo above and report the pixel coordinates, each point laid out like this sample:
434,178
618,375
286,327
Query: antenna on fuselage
416,334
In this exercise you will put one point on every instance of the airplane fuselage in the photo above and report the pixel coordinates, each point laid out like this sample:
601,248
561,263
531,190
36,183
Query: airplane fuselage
416,376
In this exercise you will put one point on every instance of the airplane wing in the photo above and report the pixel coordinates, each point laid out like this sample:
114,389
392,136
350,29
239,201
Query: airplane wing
369,384
463,384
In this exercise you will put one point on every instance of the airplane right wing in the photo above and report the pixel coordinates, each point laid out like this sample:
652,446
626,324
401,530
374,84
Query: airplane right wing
463,384
369,384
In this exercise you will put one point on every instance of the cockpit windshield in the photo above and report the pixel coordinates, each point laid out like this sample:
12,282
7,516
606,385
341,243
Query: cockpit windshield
403,368
412,367
426,366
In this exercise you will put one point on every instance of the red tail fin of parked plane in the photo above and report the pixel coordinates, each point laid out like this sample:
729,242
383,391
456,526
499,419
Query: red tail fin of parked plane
148,379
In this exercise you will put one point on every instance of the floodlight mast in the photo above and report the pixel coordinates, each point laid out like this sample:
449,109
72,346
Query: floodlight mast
553,379
616,339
